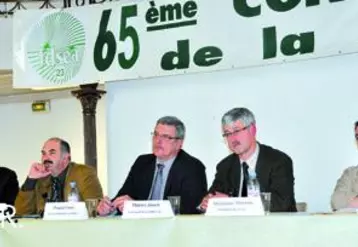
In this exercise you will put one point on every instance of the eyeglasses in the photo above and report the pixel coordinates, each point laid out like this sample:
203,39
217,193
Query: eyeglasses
228,134
356,136
164,137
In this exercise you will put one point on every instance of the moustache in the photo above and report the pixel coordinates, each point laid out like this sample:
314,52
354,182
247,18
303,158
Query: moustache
235,143
48,162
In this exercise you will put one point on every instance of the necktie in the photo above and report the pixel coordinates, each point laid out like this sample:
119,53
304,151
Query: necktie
246,179
158,183
55,190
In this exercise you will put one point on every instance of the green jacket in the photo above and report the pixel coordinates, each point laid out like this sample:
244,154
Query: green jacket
33,201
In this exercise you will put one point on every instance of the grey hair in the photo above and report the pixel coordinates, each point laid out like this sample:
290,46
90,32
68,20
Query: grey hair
176,122
64,146
244,115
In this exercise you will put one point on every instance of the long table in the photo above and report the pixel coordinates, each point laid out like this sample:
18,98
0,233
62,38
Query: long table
320,230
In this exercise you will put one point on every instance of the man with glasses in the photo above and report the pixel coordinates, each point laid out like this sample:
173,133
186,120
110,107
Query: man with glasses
271,167
168,171
345,194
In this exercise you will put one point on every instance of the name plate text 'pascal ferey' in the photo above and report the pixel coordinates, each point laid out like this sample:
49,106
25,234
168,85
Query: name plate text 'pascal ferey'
65,211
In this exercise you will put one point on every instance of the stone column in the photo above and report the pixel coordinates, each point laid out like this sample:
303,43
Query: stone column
89,95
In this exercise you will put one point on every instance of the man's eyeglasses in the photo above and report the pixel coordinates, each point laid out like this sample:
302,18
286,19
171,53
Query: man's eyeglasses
164,137
228,134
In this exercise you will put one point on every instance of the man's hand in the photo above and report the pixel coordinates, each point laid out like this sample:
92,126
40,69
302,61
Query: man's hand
119,202
38,170
105,206
204,202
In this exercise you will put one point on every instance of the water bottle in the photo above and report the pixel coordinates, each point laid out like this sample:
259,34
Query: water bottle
253,186
73,196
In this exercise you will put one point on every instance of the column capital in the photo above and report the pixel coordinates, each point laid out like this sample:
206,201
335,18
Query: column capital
89,95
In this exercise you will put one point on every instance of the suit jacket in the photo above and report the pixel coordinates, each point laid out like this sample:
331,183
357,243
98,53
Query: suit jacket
273,170
346,188
186,179
9,186
33,201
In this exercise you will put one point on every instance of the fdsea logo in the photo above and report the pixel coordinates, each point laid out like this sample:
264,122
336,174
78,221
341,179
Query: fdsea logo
56,46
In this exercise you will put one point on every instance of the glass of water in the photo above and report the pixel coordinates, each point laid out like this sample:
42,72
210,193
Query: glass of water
175,203
266,201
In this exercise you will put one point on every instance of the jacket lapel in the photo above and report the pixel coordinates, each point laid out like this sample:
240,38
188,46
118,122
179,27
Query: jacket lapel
260,166
148,176
235,177
173,174
66,186
45,188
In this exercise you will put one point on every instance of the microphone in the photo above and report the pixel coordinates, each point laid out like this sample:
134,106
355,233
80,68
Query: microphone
233,192
46,198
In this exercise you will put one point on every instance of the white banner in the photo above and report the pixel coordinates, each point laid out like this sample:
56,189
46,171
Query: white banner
123,41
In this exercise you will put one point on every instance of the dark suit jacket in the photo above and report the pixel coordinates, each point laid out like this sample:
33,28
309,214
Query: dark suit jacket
274,172
186,179
9,186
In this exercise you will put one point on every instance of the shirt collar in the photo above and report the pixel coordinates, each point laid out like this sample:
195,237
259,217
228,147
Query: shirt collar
167,162
252,160
62,176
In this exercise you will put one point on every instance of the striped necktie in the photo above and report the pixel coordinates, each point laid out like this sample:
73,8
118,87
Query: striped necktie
55,190
158,183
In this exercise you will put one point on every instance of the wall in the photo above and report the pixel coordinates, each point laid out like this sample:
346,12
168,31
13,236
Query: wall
24,132
305,109
6,43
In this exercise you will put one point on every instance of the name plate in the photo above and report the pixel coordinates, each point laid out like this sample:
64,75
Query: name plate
65,211
235,206
147,209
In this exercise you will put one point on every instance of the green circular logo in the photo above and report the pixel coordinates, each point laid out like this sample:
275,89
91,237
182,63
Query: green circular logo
56,46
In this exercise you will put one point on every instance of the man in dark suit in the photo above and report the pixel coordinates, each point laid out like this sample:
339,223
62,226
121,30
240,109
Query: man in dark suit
9,186
271,167
168,171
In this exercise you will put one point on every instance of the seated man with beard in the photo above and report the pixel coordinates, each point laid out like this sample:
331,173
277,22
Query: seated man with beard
49,181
